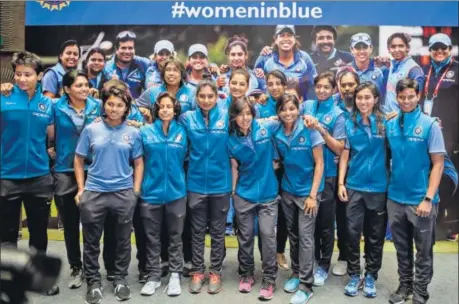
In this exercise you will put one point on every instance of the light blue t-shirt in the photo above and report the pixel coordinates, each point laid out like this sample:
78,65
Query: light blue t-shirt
112,150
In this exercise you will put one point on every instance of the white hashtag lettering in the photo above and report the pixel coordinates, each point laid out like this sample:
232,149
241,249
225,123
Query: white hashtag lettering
272,10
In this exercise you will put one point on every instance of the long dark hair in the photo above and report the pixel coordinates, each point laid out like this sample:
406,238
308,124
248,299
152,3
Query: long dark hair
376,109
235,109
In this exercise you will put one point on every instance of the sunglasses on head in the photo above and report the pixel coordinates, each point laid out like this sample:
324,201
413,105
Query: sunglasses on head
361,38
126,34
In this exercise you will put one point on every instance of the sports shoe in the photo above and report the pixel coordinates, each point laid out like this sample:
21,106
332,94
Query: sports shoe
229,230
215,283
149,288
52,291
110,277
320,276
267,290
353,286
94,295
76,278
402,294
282,261
301,297
245,284
173,287
340,268
122,292
197,280
186,269
292,284
369,288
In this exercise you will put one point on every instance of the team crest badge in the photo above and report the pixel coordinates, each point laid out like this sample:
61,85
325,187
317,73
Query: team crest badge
327,118
417,130
450,74
42,107
220,124
339,63
178,138
263,132
183,98
301,139
126,138
54,5
374,76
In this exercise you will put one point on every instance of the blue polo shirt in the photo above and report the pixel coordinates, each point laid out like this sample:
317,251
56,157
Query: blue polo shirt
266,110
112,150
24,125
377,75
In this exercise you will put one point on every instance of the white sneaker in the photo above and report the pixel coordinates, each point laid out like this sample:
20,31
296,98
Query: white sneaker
340,268
149,288
173,287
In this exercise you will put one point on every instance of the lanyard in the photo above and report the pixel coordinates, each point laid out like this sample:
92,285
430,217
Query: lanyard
426,87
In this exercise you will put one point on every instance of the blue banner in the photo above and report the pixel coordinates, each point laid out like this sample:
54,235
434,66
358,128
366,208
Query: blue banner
406,13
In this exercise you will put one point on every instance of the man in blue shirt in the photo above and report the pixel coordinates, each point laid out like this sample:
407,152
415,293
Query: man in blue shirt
361,48
126,66
326,57
27,121
417,149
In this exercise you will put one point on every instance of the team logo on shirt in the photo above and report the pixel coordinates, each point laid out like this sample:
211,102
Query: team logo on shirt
220,124
263,132
417,130
301,139
54,5
183,98
327,118
178,138
399,76
374,76
126,138
450,74
42,107
339,62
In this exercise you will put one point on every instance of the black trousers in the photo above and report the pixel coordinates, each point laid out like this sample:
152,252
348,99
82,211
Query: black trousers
94,208
70,215
36,194
110,242
406,226
325,232
366,212
153,217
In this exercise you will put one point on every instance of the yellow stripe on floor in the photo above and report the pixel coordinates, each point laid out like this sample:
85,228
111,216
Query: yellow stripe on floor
231,242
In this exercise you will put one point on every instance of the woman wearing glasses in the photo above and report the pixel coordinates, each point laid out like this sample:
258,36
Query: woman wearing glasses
126,66
441,95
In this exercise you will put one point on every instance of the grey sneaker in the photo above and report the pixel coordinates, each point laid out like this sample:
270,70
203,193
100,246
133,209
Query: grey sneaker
122,292
76,278
149,288
340,268
174,288
94,295
402,294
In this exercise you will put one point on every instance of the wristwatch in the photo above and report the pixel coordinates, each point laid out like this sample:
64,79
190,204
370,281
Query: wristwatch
428,199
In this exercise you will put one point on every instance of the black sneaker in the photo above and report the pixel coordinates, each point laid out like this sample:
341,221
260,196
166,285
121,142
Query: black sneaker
143,276
94,295
402,294
52,291
122,292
